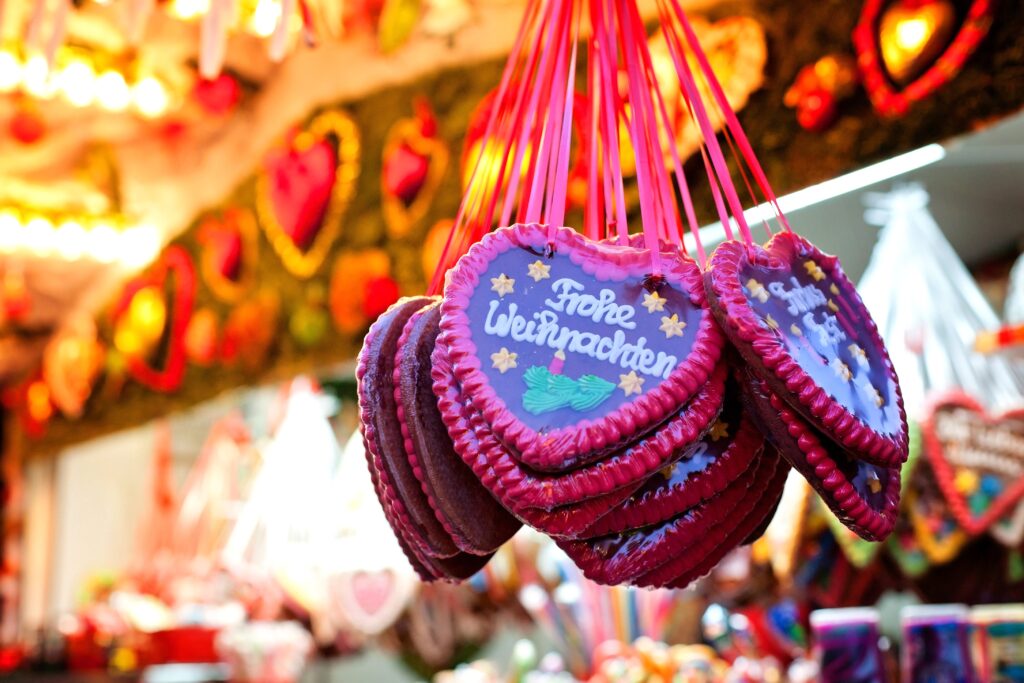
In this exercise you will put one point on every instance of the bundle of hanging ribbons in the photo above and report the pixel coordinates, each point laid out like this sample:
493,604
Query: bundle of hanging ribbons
639,405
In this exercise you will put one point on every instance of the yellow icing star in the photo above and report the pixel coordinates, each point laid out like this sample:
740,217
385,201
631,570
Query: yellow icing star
832,288
795,329
858,353
653,302
757,290
719,430
672,326
770,322
832,306
503,284
966,481
539,270
631,383
504,360
841,369
874,483
814,270
872,393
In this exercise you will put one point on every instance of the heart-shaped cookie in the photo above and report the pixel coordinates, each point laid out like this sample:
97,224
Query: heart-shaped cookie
472,517
920,24
625,557
706,467
304,189
372,601
978,459
175,266
230,252
414,161
863,496
570,348
798,321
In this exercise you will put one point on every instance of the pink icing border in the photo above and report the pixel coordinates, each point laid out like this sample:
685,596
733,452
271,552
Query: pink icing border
659,506
678,534
410,449
833,486
760,346
586,440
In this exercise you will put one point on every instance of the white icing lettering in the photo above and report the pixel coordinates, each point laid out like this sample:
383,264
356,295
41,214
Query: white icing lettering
828,330
800,299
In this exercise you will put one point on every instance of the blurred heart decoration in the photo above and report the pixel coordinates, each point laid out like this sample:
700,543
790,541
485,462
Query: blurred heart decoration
908,49
151,319
230,252
414,161
305,187
372,600
978,459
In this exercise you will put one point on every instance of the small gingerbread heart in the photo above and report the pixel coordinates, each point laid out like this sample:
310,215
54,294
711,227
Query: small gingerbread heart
798,321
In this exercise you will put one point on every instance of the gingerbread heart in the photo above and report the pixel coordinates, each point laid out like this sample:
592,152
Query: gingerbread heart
798,321
863,496
372,601
707,466
229,252
414,161
570,348
625,557
978,459
304,189
175,265
879,80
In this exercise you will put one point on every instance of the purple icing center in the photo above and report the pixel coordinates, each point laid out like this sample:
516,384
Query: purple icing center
821,329
615,349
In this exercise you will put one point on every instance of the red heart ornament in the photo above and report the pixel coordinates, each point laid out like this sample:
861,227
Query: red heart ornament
177,264
886,98
414,161
978,459
798,321
304,189
229,252
568,347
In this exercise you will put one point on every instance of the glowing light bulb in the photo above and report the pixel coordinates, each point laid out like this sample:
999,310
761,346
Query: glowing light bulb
10,232
139,246
102,243
150,97
71,240
10,72
40,237
190,9
264,19
112,92
36,77
78,83
912,33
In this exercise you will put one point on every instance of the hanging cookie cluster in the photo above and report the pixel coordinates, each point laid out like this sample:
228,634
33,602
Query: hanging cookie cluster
640,406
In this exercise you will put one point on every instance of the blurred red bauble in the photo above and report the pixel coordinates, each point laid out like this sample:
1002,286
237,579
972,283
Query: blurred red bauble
381,292
27,125
218,96
817,110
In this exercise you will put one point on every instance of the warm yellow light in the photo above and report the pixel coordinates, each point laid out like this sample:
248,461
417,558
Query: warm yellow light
139,246
150,97
78,83
10,72
264,19
10,232
40,237
189,9
102,243
112,92
127,340
36,78
911,34
71,240
147,314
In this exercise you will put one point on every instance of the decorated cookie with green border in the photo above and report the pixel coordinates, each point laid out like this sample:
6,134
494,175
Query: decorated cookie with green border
797,319
570,348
